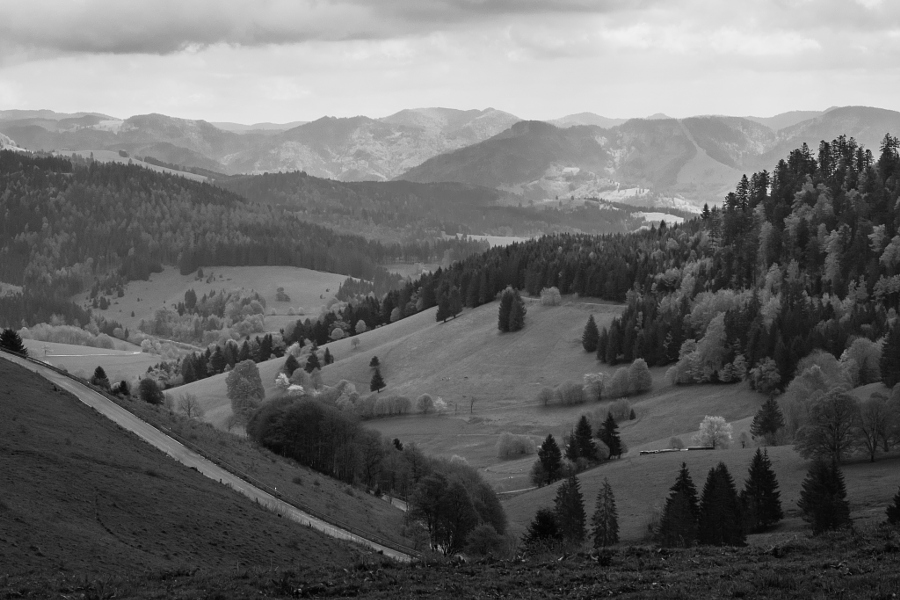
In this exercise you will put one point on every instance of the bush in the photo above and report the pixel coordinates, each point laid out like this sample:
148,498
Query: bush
620,410
510,445
424,404
619,385
676,443
550,297
545,396
149,392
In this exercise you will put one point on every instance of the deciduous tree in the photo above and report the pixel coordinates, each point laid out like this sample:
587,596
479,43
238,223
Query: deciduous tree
829,434
245,389
714,432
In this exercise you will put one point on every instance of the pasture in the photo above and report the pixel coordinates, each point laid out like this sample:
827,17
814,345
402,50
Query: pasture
308,291
126,362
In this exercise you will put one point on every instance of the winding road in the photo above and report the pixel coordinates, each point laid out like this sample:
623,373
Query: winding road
189,458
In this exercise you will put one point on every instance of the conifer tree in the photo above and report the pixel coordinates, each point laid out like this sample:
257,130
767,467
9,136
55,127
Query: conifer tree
543,529
217,361
893,511
583,439
265,348
312,363
443,311
760,498
602,339
609,435
890,357
188,373
685,485
590,337
767,421
571,446
720,522
516,313
823,498
374,363
678,525
570,511
377,384
605,522
328,357
550,457
506,302
99,378
290,365
245,351
456,304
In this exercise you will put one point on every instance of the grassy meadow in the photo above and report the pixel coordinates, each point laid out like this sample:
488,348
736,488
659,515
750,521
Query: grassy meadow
126,362
308,290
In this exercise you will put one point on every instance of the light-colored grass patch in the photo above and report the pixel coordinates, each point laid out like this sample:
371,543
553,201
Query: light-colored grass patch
82,360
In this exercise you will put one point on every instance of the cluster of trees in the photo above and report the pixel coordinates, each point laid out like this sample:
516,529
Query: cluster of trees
721,516
806,257
580,452
511,316
448,497
566,523
219,358
132,220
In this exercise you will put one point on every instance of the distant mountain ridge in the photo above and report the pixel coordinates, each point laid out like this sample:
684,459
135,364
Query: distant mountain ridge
698,158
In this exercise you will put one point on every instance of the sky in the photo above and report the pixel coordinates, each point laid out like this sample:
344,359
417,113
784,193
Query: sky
297,60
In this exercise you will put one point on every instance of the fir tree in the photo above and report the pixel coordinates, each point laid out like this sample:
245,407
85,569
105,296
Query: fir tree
290,365
245,352
517,313
823,498
571,447
570,511
685,485
890,356
443,311
605,522
377,384
602,340
609,435
767,421
506,302
99,378
312,363
720,522
217,361
456,305
10,340
678,525
760,497
543,529
328,357
550,457
265,348
893,511
590,337
374,363
188,373
583,439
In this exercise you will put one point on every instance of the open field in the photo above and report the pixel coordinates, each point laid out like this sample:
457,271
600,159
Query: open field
82,360
308,290
113,156
80,496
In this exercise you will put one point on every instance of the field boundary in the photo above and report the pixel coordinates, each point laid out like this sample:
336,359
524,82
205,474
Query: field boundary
352,534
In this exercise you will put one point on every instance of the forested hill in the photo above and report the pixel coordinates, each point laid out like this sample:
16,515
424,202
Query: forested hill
805,257
63,225
414,211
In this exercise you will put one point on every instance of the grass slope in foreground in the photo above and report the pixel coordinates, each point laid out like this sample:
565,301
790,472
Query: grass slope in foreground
81,498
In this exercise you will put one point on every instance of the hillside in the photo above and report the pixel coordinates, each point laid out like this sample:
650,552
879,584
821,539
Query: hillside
82,497
543,161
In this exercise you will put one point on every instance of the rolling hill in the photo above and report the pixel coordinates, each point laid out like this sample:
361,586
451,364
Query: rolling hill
81,496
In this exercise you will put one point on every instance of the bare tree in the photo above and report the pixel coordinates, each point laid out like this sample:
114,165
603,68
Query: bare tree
830,432
190,406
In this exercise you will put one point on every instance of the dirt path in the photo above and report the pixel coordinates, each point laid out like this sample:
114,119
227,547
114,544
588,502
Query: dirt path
191,459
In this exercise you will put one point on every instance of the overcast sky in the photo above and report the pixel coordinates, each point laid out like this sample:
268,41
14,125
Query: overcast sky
285,60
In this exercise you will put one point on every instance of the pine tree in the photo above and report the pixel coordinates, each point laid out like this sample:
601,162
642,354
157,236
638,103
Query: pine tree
188,373
506,302
678,525
760,498
456,304
217,361
890,357
823,498
443,311
893,511
550,457
517,313
312,363
290,365
605,522
543,529
377,384
374,363
685,485
265,348
590,337
767,421
583,438
602,340
245,352
10,340
609,435
328,357
720,522
571,447
570,510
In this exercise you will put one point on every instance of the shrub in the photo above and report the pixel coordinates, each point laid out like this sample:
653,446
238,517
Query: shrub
511,444
424,404
545,396
620,410
640,379
550,297
676,443
619,385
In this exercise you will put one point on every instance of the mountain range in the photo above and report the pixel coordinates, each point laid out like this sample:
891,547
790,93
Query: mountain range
656,161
